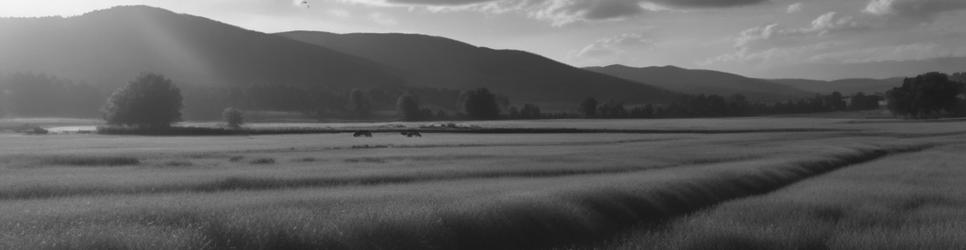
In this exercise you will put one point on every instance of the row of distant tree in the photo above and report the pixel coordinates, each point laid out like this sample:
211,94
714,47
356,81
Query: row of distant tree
40,95
153,101
736,105
930,95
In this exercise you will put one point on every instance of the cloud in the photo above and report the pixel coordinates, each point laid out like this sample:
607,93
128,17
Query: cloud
340,13
561,12
671,3
833,22
794,8
902,52
383,19
832,38
775,44
614,49
771,56
706,3
913,10
774,34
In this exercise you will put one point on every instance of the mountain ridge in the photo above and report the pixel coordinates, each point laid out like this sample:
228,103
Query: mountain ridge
431,61
845,86
110,46
701,81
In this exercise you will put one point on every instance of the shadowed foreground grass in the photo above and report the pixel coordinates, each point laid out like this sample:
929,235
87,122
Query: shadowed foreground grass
506,213
914,201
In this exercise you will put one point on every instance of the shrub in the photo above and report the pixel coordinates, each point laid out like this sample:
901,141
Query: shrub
530,111
408,108
359,103
233,117
150,101
481,104
589,107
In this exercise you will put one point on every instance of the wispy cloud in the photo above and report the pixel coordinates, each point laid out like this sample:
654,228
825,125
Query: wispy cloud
913,10
383,19
794,8
622,48
562,12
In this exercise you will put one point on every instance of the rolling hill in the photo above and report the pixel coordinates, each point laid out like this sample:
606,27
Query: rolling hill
844,86
429,61
693,81
110,47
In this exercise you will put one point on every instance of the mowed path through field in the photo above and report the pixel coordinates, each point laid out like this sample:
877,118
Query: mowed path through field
442,191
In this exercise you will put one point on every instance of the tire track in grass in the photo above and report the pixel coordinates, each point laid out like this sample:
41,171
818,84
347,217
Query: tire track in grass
237,183
687,198
573,217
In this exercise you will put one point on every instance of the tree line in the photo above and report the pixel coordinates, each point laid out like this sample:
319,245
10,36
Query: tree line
930,95
41,95
689,106
152,101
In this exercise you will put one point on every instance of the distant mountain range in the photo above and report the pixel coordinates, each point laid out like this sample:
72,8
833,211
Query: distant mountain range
438,62
698,81
844,86
109,47
694,81
884,69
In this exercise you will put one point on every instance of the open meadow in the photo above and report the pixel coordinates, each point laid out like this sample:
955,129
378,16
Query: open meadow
741,183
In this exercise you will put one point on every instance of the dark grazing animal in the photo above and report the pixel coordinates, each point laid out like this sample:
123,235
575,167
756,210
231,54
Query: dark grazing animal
362,134
36,131
411,134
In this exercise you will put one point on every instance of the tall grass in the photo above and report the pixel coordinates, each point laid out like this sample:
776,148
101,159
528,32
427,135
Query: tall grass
509,213
231,183
909,202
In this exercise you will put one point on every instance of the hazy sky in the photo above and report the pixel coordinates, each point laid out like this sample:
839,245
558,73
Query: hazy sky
741,36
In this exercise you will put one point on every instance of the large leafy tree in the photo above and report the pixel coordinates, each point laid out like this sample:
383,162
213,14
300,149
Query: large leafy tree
930,95
233,117
481,104
408,108
150,101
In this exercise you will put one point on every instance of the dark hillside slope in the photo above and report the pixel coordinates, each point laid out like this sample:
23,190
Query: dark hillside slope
692,81
428,61
845,86
109,47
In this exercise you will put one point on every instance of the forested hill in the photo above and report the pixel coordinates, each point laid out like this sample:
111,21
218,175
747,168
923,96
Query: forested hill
429,61
693,81
110,47
844,86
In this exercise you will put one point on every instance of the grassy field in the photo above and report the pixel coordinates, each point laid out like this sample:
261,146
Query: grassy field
744,183
912,201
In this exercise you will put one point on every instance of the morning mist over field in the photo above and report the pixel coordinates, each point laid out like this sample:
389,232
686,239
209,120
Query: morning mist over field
482,124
